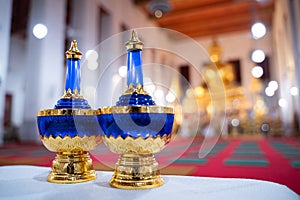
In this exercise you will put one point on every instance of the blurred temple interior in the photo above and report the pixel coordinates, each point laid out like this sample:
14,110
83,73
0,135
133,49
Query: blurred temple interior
251,46
261,95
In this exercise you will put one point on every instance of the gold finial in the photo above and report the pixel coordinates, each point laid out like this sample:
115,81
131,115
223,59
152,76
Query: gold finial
134,43
73,52
139,89
215,51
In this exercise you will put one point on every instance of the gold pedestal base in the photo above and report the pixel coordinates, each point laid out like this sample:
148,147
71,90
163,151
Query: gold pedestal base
72,168
136,171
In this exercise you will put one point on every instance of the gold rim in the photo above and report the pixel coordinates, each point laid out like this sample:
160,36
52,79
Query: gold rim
58,112
135,109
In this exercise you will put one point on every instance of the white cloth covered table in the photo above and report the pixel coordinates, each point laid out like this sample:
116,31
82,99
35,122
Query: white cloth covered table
29,182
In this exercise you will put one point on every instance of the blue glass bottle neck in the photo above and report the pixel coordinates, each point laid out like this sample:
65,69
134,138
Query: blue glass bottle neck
72,83
135,77
73,75
134,68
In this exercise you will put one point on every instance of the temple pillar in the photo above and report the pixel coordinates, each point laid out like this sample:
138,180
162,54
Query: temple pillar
5,23
45,63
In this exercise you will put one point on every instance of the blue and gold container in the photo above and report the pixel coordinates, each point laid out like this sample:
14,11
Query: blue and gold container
136,128
71,129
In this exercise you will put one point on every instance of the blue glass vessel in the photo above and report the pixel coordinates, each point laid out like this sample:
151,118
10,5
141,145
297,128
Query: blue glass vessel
135,95
71,129
136,128
72,98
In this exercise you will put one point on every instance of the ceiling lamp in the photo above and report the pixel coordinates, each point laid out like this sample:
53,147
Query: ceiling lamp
258,30
123,71
258,56
257,71
282,102
294,91
91,57
40,31
273,85
158,94
170,97
159,7
269,92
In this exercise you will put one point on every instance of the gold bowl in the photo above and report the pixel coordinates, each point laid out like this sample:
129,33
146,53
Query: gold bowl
136,132
72,133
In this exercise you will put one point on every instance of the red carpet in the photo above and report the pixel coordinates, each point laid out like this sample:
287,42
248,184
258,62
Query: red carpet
271,159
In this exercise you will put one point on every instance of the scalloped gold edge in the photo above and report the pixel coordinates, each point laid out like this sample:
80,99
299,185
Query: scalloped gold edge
69,95
66,112
135,109
68,144
137,145
138,90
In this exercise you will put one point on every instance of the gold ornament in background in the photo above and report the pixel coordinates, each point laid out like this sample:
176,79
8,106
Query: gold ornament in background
237,104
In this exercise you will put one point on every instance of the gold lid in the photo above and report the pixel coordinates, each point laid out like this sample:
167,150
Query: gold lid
66,111
136,109
73,52
139,89
134,43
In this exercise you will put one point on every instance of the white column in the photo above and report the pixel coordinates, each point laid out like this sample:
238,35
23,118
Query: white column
284,61
45,63
295,5
5,22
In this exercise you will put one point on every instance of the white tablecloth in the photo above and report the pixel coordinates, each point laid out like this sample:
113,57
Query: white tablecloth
29,182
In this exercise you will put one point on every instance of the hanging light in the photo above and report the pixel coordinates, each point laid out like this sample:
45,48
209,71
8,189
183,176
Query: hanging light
294,91
159,7
40,31
269,92
170,97
257,71
116,78
149,85
273,85
258,56
158,94
92,65
282,102
258,30
123,71
235,122
91,57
